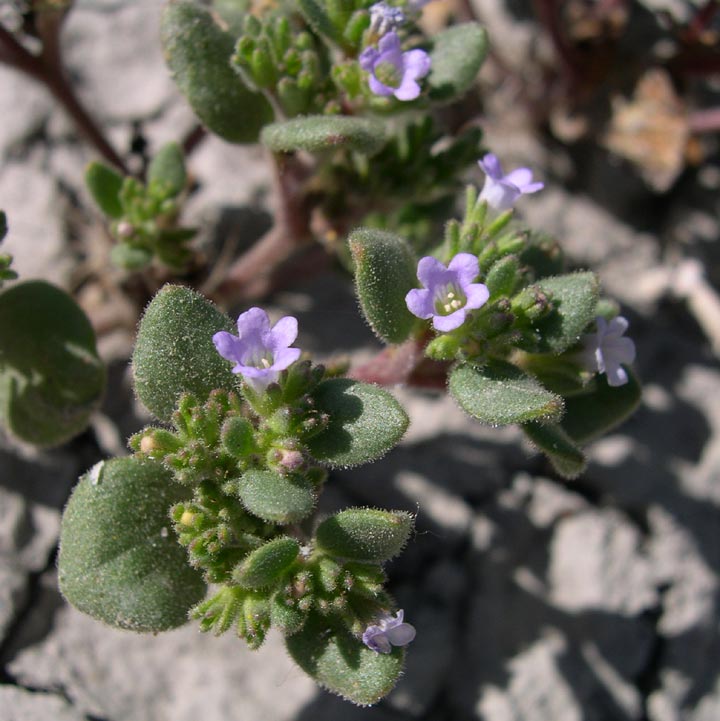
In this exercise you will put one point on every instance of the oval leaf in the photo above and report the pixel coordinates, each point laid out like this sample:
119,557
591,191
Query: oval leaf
575,298
120,561
590,415
266,565
501,393
51,378
365,423
384,273
342,664
457,55
166,172
104,185
315,133
276,498
567,459
365,534
198,53
174,352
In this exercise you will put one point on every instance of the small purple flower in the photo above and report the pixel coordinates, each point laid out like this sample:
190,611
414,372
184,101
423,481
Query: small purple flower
259,351
606,350
449,292
385,17
393,72
501,191
389,631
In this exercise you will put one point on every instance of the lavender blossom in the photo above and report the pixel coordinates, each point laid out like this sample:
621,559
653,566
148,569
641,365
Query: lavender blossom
393,72
605,350
259,351
501,191
385,17
389,631
449,292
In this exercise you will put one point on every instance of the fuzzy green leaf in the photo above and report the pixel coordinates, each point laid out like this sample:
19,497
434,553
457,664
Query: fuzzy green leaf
316,16
266,565
167,170
384,273
105,185
457,55
51,378
174,352
120,561
575,298
590,415
276,498
315,133
365,534
232,13
198,52
567,459
365,423
342,664
501,393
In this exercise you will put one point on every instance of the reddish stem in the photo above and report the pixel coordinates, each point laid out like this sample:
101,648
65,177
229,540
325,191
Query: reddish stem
46,68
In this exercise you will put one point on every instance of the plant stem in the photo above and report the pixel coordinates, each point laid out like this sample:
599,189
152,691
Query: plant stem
46,68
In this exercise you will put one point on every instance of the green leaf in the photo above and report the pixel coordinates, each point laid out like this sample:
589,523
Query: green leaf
365,534
501,393
51,378
342,664
3,225
285,614
365,423
104,185
198,53
315,133
575,298
131,257
558,374
167,171
502,278
591,415
266,565
318,19
276,498
567,459
120,561
457,55
174,352
384,273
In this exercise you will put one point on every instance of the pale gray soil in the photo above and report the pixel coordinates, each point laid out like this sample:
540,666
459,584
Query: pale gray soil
534,599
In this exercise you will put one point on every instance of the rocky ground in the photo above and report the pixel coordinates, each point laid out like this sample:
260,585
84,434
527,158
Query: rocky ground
534,599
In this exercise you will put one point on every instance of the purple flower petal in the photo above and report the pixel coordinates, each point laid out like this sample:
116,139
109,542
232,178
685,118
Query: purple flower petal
389,631
477,295
367,58
616,376
417,63
446,323
389,43
466,266
253,321
617,326
285,357
408,89
420,303
431,271
401,635
378,88
226,345
284,332
491,166
519,177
